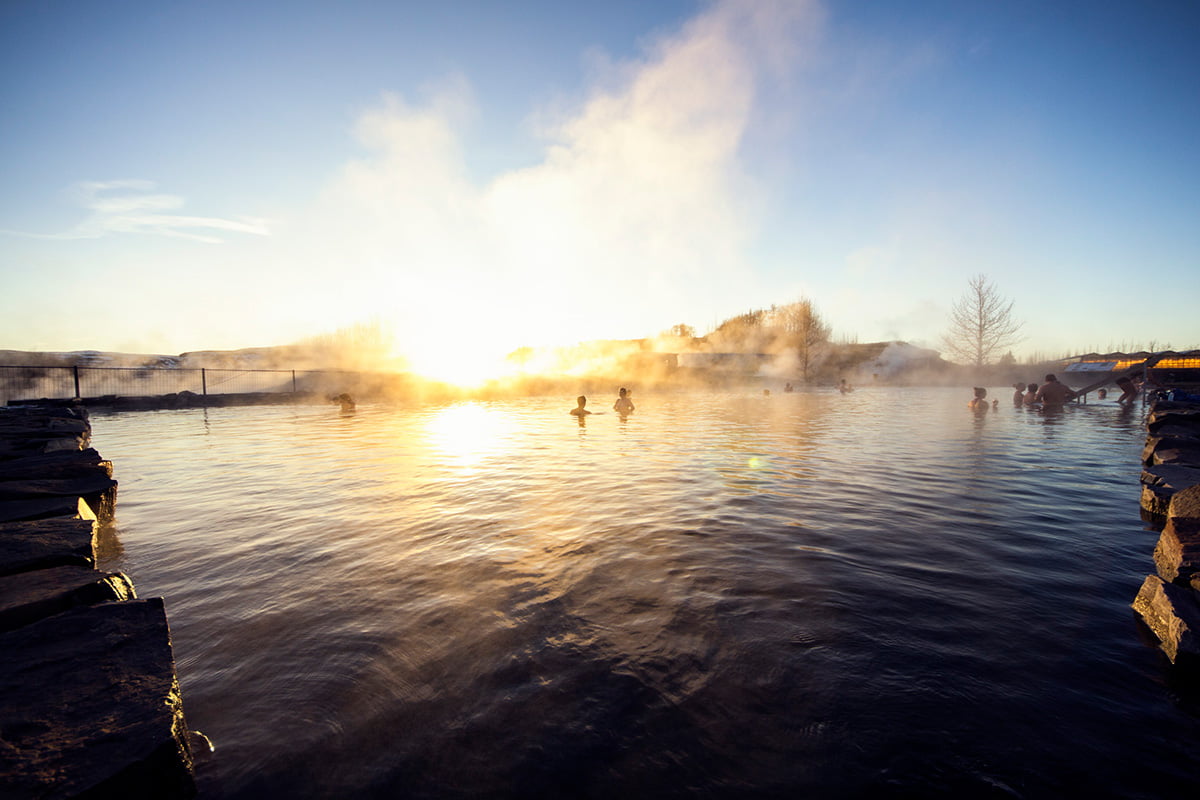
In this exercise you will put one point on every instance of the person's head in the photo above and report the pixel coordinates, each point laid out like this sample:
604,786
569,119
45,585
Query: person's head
1103,393
980,392
1050,378
1031,387
581,400
623,391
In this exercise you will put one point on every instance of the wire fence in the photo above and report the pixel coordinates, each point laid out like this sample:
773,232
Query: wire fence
20,383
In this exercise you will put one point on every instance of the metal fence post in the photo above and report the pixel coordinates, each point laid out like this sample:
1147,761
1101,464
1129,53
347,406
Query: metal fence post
293,381
204,382
75,369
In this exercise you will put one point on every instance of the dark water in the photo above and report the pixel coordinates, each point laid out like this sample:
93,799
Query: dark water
871,595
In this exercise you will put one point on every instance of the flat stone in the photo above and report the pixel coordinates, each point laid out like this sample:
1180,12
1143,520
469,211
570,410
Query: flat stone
1177,554
31,596
40,544
92,707
1185,504
1173,616
96,488
58,464
1160,483
46,508
1176,429
1171,450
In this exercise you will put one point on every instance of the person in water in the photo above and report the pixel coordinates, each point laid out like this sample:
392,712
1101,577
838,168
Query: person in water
979,402
1053,393
1129,390
844,387
579,409
1030,394
1018,394
624,404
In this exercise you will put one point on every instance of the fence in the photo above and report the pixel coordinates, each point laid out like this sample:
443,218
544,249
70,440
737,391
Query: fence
64,383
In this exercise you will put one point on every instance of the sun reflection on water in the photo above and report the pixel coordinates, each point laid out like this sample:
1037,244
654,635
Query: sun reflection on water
465,433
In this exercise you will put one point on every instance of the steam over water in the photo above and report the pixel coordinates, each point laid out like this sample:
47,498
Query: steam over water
810,594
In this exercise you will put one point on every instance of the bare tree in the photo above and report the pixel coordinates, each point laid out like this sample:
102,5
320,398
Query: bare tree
981,324
681,331
804,330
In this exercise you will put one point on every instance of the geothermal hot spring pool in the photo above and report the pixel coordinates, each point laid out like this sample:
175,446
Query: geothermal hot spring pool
725,595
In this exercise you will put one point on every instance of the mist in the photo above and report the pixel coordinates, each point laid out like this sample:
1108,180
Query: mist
638,214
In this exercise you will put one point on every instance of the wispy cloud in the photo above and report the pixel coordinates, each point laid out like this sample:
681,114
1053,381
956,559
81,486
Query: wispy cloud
133,207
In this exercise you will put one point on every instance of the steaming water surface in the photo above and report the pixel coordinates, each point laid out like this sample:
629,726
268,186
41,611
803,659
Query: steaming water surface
722,596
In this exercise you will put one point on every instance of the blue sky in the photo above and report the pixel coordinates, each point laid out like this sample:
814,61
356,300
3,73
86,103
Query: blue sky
476,176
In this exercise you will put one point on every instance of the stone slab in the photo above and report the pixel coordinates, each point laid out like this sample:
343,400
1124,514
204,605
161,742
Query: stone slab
97,489
31,596
40,544
1177,554
92,707
1173,615
1160,483
1185,504
45,508
59,464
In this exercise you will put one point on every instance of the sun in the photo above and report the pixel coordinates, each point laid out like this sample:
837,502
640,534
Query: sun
460,358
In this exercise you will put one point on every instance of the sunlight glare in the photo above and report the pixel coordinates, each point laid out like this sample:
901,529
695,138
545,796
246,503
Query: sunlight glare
464,433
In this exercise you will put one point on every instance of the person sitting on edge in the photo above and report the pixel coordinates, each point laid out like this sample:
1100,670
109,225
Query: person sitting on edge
1018,394
1129,390
1053,393
979,402
579,410
1030,394
624,404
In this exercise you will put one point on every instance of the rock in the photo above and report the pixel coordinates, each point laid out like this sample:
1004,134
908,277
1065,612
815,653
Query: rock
1173,615
1160,483
31,596
1174,429
1177,554
59,464
91,487
1185,452
1159,419
1185,504
41,544
92,707
45,508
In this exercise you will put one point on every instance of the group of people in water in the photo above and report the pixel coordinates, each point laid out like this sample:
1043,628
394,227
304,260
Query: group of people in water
623,406
1051,394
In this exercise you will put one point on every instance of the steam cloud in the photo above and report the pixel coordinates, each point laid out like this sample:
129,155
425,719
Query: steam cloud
637,217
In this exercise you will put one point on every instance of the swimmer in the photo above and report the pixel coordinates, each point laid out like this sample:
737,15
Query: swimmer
624,404
1030,394
579,409
1054,393
1018,393
1129,390
979,402
844,387
346,401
